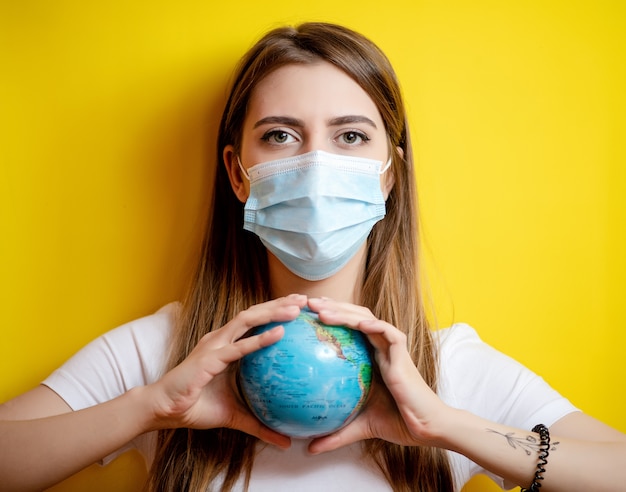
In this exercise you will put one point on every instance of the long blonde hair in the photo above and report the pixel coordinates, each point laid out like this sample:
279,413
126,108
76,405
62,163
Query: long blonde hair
232,273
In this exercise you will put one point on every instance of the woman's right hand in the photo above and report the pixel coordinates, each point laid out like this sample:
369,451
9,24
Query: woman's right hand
201,392
44,442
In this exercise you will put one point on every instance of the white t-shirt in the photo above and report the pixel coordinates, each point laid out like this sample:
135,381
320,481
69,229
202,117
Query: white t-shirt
473,376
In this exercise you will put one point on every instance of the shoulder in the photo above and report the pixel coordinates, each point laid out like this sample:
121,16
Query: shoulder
462,350
455,337
477,377
146,336
141,345
131,355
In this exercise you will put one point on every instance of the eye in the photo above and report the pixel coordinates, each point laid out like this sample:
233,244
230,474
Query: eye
278,137
353,137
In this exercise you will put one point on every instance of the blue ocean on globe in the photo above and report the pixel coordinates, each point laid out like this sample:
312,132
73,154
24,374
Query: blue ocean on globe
310,383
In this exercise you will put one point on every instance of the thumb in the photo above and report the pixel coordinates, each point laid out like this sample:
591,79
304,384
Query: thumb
353,432
251,425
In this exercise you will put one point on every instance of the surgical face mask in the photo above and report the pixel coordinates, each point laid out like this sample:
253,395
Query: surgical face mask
315,210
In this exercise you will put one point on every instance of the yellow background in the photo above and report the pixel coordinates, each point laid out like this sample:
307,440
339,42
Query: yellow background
108,118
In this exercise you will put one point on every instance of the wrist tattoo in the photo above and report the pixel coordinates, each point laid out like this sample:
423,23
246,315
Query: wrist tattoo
528,444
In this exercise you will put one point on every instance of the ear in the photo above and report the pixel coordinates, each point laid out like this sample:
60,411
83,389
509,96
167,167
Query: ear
389,178
238,181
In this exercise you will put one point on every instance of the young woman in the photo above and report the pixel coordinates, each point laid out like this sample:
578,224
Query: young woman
314,206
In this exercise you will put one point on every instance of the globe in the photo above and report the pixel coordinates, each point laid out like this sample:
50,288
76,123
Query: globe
312,382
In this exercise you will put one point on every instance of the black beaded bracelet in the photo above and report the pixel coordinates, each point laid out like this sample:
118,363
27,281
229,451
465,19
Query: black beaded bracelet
544,451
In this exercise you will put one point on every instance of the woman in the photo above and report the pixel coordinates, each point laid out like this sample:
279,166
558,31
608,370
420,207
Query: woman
314,196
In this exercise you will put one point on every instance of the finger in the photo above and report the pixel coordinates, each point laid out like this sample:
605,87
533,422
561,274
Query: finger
269,436
251,425
353,432
244,346
325,304
340,313
281,309
277,310
213,361
388,341
242,419
382,334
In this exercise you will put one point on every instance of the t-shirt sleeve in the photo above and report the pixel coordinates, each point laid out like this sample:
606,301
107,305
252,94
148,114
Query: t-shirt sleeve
492,385
131,355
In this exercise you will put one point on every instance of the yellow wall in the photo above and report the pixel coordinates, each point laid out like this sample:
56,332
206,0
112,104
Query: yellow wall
108,114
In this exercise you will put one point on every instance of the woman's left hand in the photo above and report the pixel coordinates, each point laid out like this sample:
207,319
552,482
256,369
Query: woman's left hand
402,408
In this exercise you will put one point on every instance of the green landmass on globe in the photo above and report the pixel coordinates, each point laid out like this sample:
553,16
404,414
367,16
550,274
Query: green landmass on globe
310,383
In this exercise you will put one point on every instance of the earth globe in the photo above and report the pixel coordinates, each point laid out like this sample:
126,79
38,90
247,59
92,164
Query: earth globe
311,382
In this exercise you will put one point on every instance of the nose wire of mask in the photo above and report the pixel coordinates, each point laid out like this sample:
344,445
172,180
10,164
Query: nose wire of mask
245,173
315,210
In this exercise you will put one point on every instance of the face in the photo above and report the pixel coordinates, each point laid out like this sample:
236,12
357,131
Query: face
301,108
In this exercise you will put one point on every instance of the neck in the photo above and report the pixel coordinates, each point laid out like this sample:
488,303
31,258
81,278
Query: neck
343,286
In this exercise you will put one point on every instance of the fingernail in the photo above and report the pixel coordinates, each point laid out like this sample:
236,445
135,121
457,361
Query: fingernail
319,299
327,312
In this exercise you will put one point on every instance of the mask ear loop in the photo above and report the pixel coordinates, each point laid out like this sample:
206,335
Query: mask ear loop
244,172
385,167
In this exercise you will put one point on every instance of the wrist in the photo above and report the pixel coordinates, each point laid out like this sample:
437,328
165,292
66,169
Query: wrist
448,429
141,409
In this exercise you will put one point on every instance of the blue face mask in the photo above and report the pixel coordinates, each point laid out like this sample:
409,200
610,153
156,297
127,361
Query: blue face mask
315,210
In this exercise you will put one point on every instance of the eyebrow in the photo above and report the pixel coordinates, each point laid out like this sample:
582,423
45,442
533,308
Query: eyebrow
282,120
342,120
289,121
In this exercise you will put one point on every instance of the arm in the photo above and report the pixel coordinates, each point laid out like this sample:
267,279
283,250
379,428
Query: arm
585,454
39,451
44,442
404,410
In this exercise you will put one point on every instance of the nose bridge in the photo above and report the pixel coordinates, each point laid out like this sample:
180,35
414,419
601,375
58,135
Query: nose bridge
316,138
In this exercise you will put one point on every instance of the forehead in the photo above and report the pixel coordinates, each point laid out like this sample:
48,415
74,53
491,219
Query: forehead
312,90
